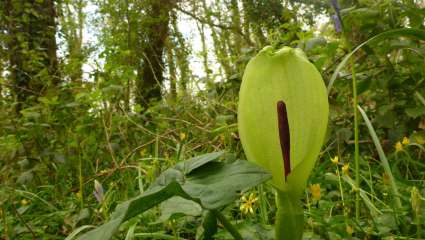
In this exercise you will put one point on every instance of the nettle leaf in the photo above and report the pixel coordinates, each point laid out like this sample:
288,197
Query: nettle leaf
205,180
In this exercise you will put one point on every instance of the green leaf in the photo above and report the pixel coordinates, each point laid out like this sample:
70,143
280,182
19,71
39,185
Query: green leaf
131,208
406,32
209,183
177,206
188,166
415,112
219,184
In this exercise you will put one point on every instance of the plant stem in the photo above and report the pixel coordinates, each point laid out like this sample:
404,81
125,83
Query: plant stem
5,226
289,217
155,236
356,139
81,180
209,224
227,225
263,207
341,191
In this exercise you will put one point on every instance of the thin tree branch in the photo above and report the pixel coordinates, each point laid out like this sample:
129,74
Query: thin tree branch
211,24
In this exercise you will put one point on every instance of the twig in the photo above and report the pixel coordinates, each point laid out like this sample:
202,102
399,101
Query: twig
25,223
222,26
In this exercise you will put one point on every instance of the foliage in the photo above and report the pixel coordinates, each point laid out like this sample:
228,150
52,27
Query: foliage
70,114
201,179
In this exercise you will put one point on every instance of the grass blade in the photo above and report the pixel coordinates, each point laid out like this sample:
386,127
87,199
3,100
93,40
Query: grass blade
420,97
77,231
382,157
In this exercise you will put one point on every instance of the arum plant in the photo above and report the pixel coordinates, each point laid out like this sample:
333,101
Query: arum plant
282,119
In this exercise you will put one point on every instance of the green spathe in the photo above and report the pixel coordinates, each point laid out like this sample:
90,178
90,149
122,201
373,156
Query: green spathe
283,75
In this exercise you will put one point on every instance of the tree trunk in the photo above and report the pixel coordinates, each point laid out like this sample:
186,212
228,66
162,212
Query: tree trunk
219,47
204,53
171,69
31,45
150,74
72,26
236,20
182,54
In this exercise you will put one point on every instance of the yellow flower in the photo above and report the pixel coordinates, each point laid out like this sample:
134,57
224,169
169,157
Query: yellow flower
315,191
346,168
349,229
143,152
79,195
398,146
335,160
248,203
182,136
24,202
405,141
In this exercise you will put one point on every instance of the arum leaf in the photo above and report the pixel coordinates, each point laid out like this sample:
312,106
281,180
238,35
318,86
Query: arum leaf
176,206
204,180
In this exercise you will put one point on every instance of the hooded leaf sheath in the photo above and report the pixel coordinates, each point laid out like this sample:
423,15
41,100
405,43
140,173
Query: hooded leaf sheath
285,81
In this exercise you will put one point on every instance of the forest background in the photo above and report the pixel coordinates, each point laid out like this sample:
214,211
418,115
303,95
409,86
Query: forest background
100,96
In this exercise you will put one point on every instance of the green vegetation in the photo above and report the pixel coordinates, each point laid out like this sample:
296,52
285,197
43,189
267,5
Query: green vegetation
119,119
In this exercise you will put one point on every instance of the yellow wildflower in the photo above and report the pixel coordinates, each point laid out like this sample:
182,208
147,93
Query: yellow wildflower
346,168
349,229
335,160
398,146
24,202
79,195
315,191
248,203
182,136
405,141
143,152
